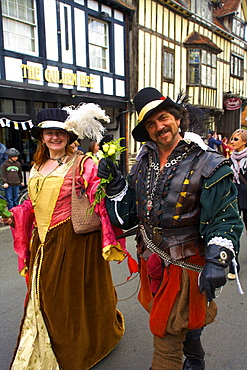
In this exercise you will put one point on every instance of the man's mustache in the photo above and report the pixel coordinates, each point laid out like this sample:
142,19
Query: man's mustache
161,132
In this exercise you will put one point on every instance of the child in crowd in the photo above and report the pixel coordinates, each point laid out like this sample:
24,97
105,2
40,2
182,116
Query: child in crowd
12,177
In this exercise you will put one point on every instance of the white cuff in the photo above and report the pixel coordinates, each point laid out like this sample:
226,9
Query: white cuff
117,198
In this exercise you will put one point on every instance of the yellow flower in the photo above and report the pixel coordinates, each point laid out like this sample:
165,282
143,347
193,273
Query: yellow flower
105,147
112,150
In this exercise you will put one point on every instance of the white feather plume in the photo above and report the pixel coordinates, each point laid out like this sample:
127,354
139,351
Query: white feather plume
192,136
83,120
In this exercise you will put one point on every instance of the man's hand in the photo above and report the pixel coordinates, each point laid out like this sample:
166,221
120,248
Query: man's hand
211,277
107,168
213,274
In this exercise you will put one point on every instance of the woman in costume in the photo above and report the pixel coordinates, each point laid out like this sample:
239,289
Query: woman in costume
71,300
239,166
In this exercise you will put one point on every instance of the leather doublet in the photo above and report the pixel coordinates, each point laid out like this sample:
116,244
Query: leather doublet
174,220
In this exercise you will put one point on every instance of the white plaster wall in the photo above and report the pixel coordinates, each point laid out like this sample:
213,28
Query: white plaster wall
92,4
51,29
67,55
65,70
119,49
96,84
80,88
118,15
80,35
120,87
37,82
107,85
52,84
13,70
107,9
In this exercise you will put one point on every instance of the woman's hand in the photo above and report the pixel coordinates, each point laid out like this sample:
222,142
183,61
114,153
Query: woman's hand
7,220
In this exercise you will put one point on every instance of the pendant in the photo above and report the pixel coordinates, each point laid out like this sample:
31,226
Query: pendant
149,205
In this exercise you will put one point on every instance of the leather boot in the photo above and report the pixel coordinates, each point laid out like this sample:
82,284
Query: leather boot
194,364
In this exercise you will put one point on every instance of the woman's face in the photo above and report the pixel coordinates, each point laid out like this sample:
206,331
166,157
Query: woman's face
237,142
96,148
55,140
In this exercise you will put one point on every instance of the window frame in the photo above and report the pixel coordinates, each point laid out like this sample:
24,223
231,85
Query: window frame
105,47
15,108
238,27
204,61
233,65
32,37
171,54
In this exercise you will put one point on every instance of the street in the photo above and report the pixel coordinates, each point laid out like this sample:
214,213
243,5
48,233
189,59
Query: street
224,341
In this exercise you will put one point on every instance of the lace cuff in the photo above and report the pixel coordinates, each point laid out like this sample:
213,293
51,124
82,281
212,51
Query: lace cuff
117,198
223,242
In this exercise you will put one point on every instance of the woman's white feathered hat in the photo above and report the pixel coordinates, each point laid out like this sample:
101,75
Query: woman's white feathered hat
80,122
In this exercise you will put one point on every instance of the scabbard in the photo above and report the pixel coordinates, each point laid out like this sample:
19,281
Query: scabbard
130,232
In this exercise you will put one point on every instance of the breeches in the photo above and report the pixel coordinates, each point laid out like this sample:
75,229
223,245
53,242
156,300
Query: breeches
168,351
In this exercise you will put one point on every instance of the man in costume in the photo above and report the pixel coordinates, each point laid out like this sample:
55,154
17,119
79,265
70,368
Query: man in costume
181,195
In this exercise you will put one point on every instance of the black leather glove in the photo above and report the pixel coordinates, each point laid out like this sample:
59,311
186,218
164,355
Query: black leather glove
213,274
105,169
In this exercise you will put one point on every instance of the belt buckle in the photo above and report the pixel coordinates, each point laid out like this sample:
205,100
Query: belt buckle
157,230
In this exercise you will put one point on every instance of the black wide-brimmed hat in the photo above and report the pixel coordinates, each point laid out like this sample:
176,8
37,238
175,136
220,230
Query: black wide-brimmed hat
147,101
52,118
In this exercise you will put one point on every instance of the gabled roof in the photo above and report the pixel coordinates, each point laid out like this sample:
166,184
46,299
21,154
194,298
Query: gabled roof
196,38
220,24
229,6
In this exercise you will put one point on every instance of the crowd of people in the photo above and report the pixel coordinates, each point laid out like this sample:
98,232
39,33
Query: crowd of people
183,199
219,143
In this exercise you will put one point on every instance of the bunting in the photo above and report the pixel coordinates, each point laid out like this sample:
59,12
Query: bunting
24,125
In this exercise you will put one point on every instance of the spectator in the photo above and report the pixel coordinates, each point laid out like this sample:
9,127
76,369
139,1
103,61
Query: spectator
213,141
227,149
94,152
76,146
239,166
12,177
3,155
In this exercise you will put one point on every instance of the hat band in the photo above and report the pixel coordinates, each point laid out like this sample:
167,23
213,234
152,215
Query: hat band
50,124
153,104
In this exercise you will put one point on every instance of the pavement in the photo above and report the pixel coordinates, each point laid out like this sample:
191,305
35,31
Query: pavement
224,341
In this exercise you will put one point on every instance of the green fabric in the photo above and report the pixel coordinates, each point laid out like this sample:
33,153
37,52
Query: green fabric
219,213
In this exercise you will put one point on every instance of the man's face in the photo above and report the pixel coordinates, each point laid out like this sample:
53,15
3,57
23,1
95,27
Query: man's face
163,129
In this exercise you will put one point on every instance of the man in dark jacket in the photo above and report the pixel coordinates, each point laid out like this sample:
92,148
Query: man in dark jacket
181,195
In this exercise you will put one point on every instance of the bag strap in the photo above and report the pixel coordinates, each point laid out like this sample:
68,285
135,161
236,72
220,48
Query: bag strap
73,171
243,179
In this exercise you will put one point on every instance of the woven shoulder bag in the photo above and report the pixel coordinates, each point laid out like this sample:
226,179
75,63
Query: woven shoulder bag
82,220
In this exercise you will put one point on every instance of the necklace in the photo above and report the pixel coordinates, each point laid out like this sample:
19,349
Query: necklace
59,160
150,195
157,173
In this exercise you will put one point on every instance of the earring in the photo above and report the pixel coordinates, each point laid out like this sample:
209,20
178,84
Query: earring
179,129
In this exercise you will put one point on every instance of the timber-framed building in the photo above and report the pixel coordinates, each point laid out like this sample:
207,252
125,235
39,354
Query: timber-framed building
199,47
